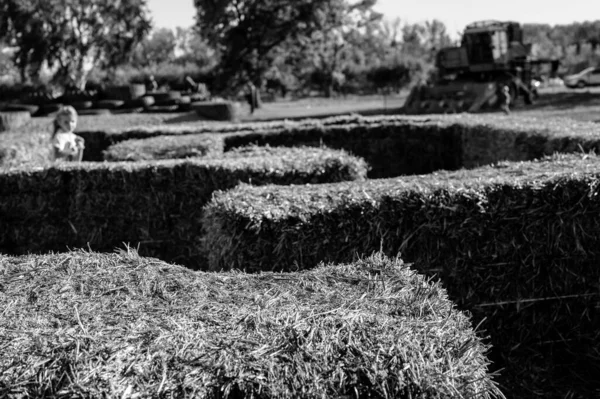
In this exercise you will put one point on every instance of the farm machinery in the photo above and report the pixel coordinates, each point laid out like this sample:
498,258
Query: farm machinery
468,78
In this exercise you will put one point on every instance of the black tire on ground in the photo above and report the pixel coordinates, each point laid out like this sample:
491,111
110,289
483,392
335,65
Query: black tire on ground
162,108
142,102
218,111
79,96
127,110
122,93
13,119
95,111
581,84
48,109
137,90
109,104
81,105
163,97
185,107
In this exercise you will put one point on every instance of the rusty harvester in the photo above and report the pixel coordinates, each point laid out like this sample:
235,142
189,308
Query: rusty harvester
468,78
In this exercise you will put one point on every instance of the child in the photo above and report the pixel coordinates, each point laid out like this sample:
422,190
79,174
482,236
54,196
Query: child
66,145
504,99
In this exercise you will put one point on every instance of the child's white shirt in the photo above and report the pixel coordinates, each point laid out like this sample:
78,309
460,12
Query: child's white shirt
65,142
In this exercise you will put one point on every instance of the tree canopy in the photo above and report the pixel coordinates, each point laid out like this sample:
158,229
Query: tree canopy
73,36
247,33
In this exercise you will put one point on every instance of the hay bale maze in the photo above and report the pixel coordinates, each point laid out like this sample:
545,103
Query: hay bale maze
156,205
513,243
88,325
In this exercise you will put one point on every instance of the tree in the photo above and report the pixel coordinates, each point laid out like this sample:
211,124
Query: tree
246,33
436,37
73,36
193,48
340,26
155,49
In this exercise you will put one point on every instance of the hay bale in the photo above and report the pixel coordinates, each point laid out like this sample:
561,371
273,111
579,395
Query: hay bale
112,136
84,324
157,205
511,242
391,147
217,111
13,119
165,147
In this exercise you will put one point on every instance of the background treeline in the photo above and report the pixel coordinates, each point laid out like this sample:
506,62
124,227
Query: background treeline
286,47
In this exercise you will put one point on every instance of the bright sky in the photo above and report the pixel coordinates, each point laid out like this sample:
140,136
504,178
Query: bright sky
454,13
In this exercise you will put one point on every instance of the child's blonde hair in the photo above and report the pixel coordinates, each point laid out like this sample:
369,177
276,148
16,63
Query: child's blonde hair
67,110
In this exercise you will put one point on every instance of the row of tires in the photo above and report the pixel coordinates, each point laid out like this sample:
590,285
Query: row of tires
152,102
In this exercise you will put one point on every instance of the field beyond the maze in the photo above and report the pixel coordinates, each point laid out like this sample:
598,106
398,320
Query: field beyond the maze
338,250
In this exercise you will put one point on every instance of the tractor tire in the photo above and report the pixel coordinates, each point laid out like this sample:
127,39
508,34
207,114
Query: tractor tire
48,109
142,102
127,110
109,104
162,108
166,98
81,105
218,111
95,111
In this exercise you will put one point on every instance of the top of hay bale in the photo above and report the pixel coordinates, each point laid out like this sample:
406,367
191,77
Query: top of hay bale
267,202
85,324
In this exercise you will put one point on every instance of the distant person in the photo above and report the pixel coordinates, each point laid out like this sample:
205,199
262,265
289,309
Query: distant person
192,85
504,99
151,84
66,145
252,97
196,89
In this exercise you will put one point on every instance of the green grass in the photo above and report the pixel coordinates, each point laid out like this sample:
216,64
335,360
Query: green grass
113,326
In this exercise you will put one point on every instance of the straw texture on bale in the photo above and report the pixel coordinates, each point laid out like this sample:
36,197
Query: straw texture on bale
98,141
156,205
395,146
13,119
121,326
516,244
401,145
166,147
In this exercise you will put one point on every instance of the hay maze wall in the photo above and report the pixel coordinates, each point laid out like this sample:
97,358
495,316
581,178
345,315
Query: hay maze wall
495,242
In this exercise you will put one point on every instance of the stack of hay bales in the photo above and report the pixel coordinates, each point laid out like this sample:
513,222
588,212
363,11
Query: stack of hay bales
98,325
